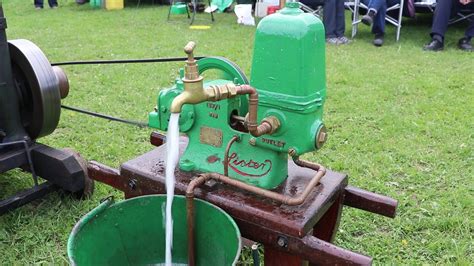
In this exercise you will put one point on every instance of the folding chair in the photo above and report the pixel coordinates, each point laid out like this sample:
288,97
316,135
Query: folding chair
194,4
313,7
357,4
463,14
425,5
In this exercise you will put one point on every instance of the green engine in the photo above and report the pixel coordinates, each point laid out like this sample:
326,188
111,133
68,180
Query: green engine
288,74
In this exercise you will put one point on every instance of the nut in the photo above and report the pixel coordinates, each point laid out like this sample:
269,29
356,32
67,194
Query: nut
321,137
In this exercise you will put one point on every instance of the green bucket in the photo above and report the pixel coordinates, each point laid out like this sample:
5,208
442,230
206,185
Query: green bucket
132,232
178,8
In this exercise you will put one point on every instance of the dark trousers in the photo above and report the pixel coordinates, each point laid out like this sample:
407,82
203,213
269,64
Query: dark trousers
333,18
39,3
379,6
443,11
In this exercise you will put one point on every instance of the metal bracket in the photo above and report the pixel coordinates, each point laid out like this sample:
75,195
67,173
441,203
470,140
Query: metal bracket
28,156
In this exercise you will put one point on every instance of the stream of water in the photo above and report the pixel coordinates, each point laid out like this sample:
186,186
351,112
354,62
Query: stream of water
172,155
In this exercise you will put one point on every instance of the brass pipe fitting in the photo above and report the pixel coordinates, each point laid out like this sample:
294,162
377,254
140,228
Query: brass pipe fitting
193,83
194,93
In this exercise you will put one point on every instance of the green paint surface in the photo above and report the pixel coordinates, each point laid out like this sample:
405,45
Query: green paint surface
132,232
288,72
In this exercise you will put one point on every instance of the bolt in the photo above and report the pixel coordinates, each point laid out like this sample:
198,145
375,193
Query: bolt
282,241
211,183
132,184
321,137
253,141
292,152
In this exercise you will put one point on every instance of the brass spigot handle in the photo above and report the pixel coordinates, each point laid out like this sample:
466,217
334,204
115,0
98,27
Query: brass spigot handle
191,72
189,49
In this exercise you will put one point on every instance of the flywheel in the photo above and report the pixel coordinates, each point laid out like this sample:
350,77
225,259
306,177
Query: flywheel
39,88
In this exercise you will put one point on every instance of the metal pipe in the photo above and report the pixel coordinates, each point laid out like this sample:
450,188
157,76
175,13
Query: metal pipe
201,179
267,126
190,215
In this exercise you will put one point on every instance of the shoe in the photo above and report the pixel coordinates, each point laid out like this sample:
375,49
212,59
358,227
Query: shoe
38,8
343,40
434,46
368,19
465,44
333,41
54,7
378,40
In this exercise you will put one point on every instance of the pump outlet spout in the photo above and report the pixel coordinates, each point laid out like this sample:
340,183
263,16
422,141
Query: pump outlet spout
194,91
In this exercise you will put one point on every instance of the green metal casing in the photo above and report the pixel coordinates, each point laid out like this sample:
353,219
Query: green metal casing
288,71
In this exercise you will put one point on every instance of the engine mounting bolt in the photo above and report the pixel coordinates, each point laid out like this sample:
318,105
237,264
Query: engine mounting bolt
132,184
282,241
253,141
322,137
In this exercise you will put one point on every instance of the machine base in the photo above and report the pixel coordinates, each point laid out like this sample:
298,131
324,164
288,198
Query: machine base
63,169
290,234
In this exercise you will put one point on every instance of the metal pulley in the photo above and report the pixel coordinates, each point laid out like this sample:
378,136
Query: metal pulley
40,88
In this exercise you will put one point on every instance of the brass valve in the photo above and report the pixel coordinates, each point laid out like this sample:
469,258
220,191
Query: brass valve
191,72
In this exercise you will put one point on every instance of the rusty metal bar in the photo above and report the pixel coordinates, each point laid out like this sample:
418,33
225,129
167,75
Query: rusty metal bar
369,201
324,253
107,175
310,248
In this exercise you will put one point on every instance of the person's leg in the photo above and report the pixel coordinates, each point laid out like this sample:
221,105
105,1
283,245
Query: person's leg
53,3
329,18
38,3
441,19
465,42
379,19
373,8
376,5
470,29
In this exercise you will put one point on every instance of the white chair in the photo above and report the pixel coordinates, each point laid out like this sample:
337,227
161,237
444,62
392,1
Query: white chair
355,5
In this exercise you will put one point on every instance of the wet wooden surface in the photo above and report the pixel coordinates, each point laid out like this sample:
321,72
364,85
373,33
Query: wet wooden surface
145,175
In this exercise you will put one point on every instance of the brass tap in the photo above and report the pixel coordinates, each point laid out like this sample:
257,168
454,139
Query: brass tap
194,91
193,83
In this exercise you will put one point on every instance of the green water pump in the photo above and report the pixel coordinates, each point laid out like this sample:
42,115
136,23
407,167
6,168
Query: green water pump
246,130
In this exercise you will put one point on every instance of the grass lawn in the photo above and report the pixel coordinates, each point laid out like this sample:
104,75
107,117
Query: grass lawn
401,123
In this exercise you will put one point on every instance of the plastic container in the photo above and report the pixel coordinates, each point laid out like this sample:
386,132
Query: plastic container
113,4
132,232
272,9
178,8
95,3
